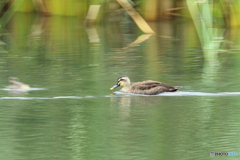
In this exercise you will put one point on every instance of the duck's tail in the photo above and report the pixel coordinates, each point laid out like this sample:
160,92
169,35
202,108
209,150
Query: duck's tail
176,88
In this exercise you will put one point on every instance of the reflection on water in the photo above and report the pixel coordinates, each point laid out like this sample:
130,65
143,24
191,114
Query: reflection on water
123,98
69,113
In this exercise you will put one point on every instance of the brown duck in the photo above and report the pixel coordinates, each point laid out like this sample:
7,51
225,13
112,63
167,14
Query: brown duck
148,87
15,84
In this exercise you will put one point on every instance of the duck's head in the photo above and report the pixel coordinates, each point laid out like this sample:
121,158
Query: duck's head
13,79
121,81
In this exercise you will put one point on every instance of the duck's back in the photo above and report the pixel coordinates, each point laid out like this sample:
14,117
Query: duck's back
150,87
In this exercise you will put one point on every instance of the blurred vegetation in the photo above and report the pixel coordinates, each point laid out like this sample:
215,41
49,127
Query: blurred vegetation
151,10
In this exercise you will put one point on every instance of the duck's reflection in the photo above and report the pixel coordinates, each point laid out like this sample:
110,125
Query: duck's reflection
124,102
16,92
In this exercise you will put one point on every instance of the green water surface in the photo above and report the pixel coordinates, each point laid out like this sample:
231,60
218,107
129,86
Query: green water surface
70,113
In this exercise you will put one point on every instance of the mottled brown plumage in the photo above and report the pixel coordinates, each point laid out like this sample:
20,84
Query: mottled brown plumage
148,87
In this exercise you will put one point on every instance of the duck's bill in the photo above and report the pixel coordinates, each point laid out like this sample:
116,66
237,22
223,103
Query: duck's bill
115,86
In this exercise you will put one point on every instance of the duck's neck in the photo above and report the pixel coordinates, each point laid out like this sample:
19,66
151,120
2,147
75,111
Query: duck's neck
126,88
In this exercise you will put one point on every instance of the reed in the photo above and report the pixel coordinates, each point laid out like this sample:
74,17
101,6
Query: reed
150,9
23,6
234,12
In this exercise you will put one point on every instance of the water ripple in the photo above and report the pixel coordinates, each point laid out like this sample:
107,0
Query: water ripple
30,89
185,94
117,93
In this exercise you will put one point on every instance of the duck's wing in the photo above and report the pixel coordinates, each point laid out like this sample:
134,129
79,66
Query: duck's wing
146,85
152,87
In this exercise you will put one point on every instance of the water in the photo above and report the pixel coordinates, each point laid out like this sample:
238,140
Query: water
70,113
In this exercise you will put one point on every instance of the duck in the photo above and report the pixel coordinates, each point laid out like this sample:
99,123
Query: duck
148,87
15,84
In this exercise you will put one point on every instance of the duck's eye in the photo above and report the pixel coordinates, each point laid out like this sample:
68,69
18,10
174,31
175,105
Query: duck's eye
121,80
